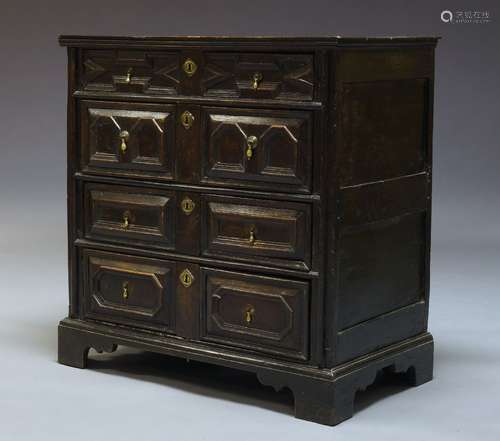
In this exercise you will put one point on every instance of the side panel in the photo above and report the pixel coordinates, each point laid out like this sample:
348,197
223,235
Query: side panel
382,197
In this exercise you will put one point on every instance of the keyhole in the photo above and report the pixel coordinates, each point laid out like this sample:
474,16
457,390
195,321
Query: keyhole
189,67
186,278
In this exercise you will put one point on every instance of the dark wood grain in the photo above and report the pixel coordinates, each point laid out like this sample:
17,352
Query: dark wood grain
305,260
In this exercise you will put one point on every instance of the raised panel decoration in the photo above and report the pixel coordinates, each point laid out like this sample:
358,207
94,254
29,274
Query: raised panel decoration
133,140
258,231
257,75
130,71
260,313
258,151
130,290
131,215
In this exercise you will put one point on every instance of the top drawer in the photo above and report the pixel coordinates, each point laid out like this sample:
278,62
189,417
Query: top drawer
272,76
130,71
262,76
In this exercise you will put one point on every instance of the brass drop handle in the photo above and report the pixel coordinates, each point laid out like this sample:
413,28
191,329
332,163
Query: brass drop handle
126,220
252,142
256,79
125,292
248,315
124,136
251,239
128,77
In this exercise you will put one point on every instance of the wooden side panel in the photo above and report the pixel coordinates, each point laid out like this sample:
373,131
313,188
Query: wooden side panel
383,170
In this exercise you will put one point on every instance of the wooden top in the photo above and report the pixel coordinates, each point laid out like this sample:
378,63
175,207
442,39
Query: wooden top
110,41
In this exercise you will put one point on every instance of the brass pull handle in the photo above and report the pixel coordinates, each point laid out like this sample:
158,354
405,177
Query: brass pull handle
126,221
248,315
125,292
251,239
256,79
252,142
128,77
124,136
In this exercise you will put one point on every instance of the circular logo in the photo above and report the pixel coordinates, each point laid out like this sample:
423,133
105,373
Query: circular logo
446,16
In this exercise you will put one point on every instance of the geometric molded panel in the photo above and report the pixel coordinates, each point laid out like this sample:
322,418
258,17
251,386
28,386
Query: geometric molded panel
263,314
132,140
130,290
282,76
130,71
280,156
257,231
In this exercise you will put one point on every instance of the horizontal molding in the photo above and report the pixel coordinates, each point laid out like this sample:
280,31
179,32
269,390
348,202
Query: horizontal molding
312,198
204,261
200,100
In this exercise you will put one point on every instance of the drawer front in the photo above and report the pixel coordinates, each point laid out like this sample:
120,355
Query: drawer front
257,149
260,231
259,313
130,71
259,75
129,290
129,139
131,215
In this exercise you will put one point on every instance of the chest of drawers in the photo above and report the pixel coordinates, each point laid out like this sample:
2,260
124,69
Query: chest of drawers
258,203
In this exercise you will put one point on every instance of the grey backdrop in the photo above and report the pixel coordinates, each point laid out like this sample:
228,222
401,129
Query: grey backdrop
40,399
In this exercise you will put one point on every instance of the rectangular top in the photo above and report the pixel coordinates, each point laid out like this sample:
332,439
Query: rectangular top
142,41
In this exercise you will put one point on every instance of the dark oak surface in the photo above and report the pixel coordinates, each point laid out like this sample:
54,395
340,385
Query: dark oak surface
257,202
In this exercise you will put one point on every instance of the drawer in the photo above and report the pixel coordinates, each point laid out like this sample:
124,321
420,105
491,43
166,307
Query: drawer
266,149
128,139
264,314
260,231
131,215
130,71
130,290
259,76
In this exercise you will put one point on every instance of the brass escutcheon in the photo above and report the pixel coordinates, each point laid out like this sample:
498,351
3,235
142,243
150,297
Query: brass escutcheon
186,278
189,67
187,119
187,205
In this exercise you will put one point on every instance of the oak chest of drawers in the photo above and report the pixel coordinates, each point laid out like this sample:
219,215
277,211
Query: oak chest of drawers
258,203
